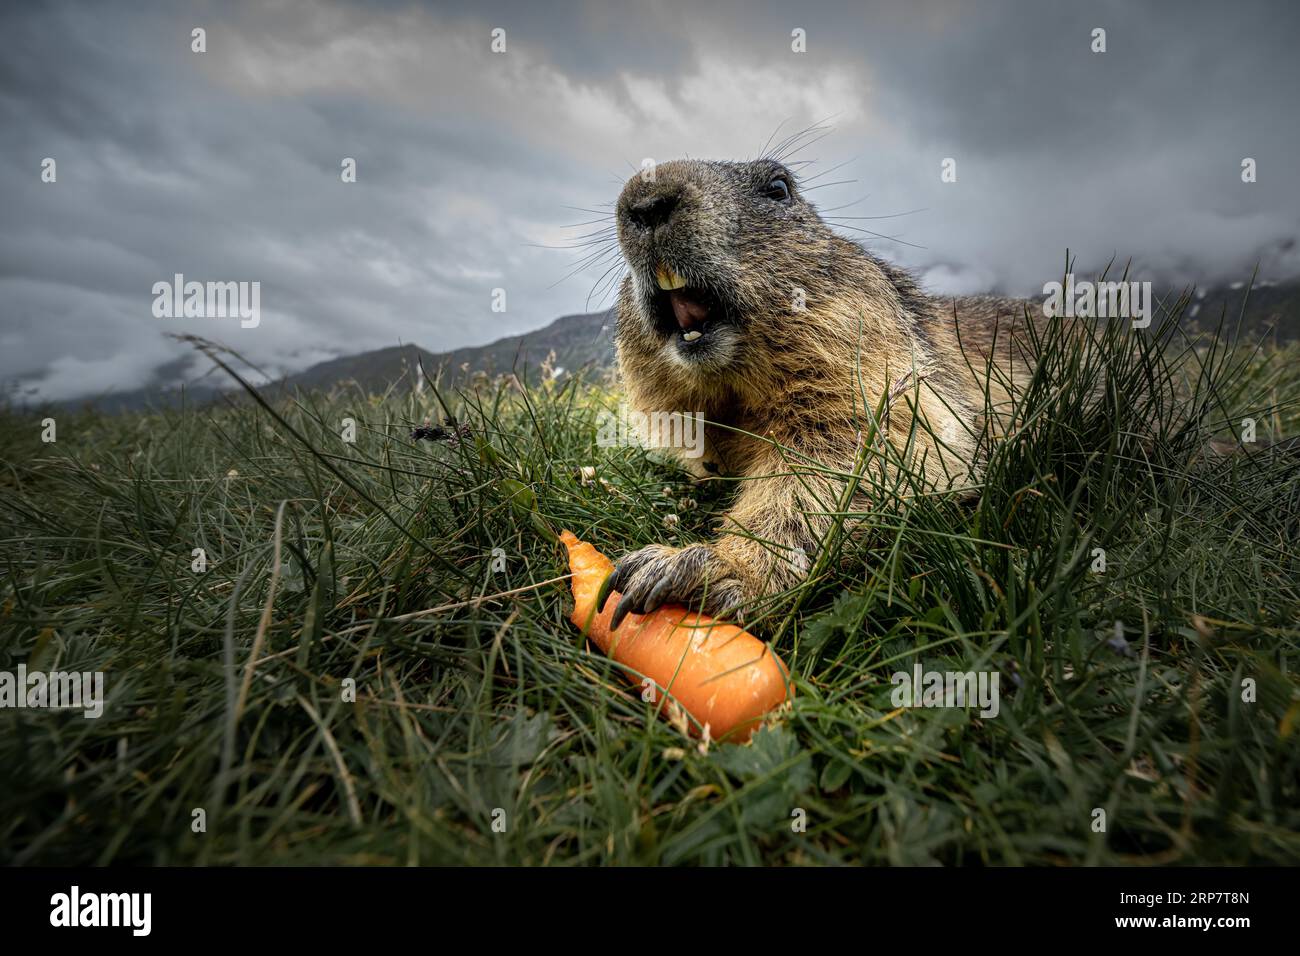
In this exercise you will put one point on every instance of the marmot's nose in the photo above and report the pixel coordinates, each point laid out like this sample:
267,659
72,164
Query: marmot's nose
653,210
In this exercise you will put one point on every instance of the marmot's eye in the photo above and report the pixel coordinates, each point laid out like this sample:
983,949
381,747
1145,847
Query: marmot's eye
778,189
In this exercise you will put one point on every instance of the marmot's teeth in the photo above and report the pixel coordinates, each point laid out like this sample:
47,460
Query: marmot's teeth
668,280
692,335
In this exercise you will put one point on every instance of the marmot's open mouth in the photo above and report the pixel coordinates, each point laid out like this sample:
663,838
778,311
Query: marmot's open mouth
683,308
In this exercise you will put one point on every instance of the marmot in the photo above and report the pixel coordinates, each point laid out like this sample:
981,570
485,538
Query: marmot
742,304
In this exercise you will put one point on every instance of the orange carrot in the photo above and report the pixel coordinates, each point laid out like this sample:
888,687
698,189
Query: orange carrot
723,676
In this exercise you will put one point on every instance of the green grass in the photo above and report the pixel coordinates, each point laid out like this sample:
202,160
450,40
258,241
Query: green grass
475,696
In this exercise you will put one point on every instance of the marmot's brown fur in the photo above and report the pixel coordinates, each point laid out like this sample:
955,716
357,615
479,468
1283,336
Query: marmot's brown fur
800,334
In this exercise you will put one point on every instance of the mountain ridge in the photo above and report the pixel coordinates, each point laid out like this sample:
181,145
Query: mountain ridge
578,340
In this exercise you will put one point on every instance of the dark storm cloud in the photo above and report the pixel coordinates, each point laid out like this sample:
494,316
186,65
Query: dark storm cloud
225,165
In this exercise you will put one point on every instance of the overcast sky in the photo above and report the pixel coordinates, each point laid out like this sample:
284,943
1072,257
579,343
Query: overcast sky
225,165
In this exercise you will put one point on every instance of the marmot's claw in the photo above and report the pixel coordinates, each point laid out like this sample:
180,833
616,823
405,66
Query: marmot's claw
658,575
658,596
624,574
621,611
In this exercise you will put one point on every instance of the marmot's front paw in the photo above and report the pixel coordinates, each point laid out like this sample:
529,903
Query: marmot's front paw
692,576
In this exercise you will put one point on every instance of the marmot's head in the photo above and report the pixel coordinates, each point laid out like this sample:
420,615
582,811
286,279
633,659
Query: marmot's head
724,256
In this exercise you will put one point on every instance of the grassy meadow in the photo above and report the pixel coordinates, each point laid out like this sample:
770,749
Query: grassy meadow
1138,596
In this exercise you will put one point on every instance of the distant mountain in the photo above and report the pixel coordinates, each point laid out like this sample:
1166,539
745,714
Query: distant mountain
577,341
1272,309
587,341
